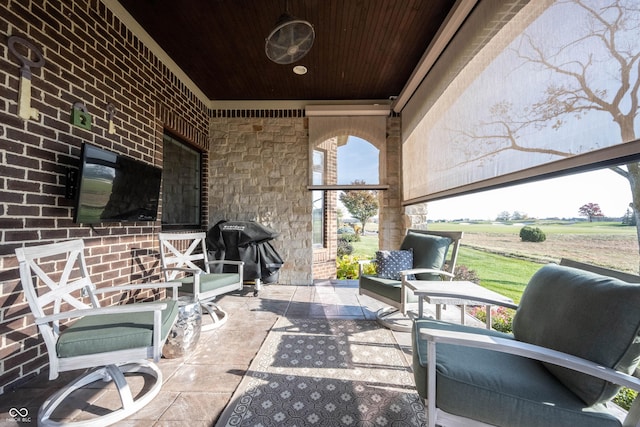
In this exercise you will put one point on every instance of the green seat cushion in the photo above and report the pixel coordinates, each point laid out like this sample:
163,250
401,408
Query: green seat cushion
209,282
429,251
585,314
111,332
388,288
497,388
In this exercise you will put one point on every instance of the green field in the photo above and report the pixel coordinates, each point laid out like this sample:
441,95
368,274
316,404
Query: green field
549,227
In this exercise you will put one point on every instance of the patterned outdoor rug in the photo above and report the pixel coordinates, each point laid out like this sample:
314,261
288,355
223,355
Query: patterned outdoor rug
318,372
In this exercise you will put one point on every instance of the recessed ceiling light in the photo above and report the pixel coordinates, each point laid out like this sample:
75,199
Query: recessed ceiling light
300,70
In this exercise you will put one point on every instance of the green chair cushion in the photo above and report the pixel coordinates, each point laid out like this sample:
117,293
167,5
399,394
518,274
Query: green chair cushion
498,388
111,332
585,314
209,282
388,288
429,251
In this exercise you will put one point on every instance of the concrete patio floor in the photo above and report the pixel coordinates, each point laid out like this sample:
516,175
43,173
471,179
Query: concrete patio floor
197,387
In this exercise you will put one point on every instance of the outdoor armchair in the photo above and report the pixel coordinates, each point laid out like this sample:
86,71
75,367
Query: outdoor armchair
185,259
423,253
108,341
575,341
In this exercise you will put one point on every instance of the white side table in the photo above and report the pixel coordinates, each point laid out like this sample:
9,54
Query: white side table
459,292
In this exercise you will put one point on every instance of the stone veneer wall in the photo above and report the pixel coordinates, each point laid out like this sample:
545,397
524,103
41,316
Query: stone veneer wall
91,57
391,225
259,172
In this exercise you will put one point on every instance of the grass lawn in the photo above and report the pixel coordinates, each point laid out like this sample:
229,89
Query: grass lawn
507,276
549,227
367,246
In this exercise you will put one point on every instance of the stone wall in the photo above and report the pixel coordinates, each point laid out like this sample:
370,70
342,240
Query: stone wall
259,172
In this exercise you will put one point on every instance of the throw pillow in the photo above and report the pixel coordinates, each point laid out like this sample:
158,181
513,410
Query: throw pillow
389,264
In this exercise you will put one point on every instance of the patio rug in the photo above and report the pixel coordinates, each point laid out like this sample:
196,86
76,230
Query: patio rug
326,372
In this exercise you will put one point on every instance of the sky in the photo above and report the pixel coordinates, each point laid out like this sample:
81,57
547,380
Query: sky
558,197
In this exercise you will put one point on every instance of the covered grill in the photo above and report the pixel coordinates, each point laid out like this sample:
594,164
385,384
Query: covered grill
246,241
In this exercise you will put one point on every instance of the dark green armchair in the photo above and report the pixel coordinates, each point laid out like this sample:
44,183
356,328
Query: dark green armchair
425,254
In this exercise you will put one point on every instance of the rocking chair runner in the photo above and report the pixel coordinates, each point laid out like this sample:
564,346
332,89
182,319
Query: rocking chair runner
186,252
111,341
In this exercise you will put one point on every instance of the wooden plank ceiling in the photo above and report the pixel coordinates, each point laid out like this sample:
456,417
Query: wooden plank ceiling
363,49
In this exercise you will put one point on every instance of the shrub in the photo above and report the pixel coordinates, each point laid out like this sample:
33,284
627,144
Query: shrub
347,267
625,398
532,234
501,317
463,273
344,248
345,229
349,237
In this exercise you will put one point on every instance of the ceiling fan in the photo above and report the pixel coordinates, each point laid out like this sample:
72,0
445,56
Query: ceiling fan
290,40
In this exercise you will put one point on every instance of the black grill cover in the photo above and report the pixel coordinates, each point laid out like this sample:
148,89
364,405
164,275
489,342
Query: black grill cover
245,241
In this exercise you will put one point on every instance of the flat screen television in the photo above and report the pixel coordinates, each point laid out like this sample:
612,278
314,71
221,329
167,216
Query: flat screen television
115,188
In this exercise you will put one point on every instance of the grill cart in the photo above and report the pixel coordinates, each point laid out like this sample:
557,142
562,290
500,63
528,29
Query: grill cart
246,241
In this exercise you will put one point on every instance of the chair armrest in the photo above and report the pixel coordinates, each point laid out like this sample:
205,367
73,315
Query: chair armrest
120,288
362,263
118,309
434,336
226,261
185,269
426,270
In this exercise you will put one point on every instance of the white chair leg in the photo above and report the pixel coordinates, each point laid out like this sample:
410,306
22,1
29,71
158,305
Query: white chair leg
218,316
116,374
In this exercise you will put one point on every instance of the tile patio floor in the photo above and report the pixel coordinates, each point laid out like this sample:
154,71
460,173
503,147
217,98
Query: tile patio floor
197,387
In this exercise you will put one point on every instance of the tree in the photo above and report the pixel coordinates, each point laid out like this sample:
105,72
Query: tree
503,216
519,216
361,204
590,210
628,218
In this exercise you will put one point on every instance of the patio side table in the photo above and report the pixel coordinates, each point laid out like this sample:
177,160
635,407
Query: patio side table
456,292
185,333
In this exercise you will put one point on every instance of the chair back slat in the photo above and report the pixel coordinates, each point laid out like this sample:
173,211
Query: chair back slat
50,292
42,289
183,250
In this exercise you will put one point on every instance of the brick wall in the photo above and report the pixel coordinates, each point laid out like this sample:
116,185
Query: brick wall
93,58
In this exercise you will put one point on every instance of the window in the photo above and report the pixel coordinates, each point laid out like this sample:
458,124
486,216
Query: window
318,218
181,185
318,213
